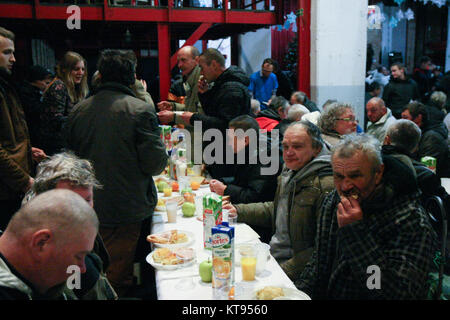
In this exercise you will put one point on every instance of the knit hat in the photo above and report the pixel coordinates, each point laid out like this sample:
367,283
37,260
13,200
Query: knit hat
38,73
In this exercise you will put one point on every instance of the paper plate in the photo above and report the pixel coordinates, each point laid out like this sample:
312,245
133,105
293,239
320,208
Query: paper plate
160,266
289,293
191,240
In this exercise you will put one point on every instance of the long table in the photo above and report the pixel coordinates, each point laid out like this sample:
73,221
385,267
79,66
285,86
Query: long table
166,280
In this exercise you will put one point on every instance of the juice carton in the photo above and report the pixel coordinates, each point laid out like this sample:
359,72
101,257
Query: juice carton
166,135
212,216
222,243
430,162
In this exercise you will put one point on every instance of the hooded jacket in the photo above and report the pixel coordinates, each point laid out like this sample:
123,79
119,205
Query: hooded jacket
303,193
119,134
15,147
268,119
433,143
12,287
398,93
227,99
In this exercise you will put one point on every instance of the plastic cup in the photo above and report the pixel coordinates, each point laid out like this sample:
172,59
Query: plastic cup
232,218
262,255
184,182
248,264
171,208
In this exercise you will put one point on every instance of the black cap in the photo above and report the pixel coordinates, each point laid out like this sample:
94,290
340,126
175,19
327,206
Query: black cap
38,73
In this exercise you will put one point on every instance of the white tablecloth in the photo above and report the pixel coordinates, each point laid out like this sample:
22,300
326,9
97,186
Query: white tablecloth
166,280
445,182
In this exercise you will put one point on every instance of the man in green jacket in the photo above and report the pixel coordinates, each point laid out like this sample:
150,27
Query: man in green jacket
305,181
187,61
119,134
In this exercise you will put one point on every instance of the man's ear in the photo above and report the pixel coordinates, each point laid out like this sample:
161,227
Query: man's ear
40,241
379,174
197,59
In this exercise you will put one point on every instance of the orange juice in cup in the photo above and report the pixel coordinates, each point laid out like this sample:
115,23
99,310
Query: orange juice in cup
248,266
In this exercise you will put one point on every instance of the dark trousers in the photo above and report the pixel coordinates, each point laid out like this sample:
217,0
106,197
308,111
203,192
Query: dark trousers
7,210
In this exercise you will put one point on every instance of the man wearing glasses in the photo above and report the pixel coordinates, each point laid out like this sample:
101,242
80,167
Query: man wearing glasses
264,83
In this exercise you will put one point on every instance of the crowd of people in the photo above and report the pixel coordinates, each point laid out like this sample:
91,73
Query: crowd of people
76,168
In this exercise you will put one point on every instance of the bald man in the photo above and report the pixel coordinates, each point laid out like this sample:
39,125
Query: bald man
380,118
44,238
187,62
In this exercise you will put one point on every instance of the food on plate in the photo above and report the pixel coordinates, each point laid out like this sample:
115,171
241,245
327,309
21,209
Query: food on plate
168,237
205,270
175,186
167,192
161,185
198,179
189,197
269,293
165,256
188,209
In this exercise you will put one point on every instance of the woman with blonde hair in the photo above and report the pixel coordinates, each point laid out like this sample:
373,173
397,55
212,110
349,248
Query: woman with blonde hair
68,88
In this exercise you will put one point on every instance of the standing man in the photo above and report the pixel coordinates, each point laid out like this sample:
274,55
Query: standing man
187,58
222,101
119,134
400,90
380,118
16,154
264,83
423,77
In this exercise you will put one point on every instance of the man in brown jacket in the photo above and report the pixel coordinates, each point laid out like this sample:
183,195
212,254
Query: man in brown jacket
303,184
16,154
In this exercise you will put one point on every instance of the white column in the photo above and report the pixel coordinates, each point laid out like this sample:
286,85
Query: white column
447,54
338,52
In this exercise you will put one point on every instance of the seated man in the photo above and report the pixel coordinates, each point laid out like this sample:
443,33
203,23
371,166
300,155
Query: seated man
402,139
269,118
250,183
306,179
374,239
52,232
380,118
67,171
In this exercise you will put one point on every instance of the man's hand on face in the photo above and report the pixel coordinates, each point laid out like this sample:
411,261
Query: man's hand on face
348,211
202,85
164,105
165,116
38,154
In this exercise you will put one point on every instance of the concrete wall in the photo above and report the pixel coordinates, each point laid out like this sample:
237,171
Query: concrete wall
254,47
338,52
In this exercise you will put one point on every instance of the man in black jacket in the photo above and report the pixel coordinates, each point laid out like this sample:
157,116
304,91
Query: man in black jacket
402,139
119,133
434,137
250,184
224,95
400,90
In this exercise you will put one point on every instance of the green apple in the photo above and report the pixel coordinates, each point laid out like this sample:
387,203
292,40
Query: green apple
186,190
188,209
161,186
205,270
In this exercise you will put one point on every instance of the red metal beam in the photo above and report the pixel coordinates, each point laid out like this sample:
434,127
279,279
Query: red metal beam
105,12
164,59
304,47
191,41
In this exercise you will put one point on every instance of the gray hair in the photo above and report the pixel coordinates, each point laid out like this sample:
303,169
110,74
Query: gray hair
312,130
296,112
255,106
367,144
439,99
404,134
63,166
327,121
62,211
299,97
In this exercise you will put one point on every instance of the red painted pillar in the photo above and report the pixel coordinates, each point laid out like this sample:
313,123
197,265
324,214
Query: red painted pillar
304,47
164,60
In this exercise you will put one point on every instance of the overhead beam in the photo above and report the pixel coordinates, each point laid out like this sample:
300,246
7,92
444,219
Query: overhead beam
198,33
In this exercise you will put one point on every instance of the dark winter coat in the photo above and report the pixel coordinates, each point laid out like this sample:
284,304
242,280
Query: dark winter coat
398,93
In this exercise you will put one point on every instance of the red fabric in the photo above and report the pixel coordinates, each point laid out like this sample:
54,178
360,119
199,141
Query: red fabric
266,123
281,39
